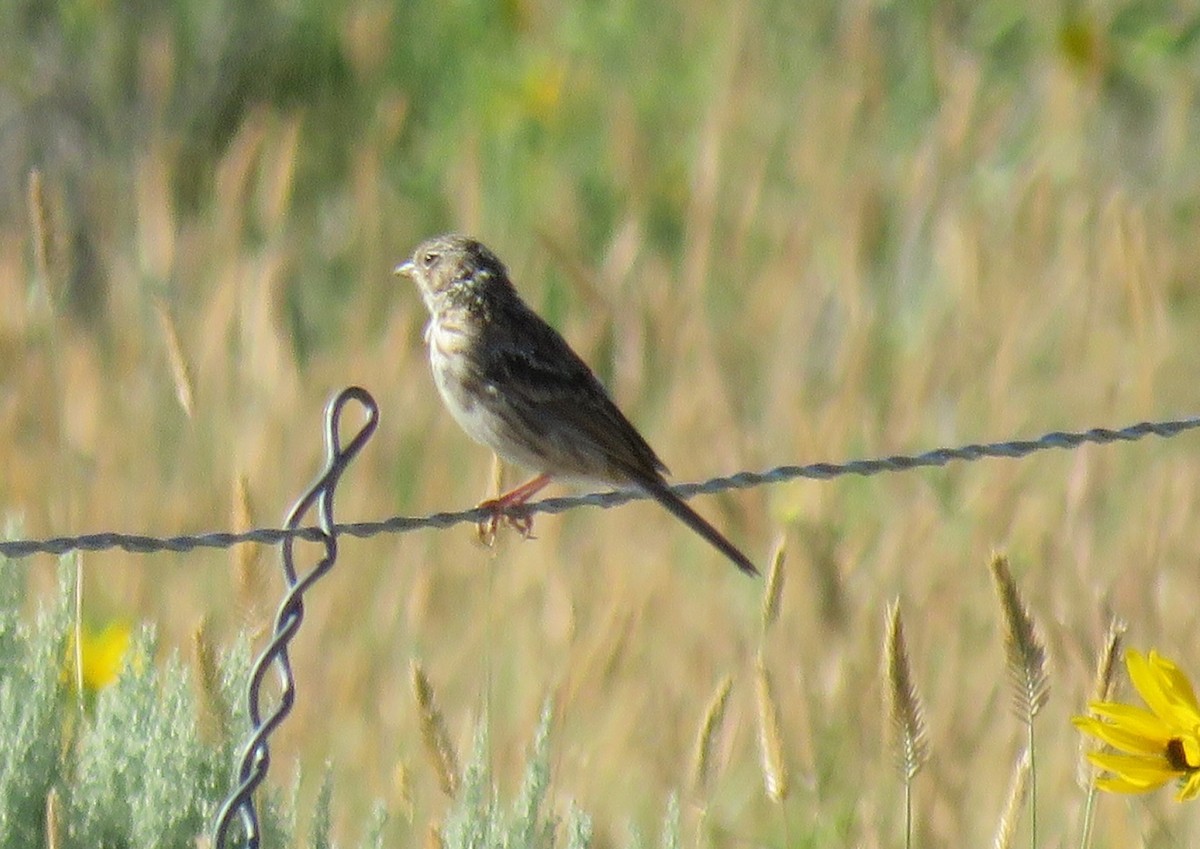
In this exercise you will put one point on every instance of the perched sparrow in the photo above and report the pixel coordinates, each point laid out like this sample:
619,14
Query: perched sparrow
514,384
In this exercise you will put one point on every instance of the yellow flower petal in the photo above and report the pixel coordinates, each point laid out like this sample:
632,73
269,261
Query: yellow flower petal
1164,689
1120,737
1191,750
1134,721
1175,682
1144,772
1120,785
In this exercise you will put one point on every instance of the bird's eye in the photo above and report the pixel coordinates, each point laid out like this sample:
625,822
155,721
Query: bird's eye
429,258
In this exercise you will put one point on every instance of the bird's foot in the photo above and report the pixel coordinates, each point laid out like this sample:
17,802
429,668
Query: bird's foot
510,515
509,509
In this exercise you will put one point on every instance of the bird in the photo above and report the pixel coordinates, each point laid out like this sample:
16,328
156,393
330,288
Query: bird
515,385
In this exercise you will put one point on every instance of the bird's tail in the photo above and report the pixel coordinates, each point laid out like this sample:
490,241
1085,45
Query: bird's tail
663,494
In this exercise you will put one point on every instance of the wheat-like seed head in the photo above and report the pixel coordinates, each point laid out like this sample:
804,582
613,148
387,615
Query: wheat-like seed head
774,589
402,793
181,372
904,703
249,579
433,732
1023,648
774,767
1106,666
1102,691
710,732
41,225
214,714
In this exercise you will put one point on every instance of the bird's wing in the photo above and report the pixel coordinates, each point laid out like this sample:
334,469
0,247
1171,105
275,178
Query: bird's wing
553,393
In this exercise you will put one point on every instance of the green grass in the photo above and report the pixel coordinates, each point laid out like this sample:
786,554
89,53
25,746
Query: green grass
780,232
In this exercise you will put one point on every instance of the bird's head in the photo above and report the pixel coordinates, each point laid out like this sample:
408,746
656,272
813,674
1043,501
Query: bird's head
452,267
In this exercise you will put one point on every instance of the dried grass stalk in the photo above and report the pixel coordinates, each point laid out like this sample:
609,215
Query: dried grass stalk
774,589
903,702
279,176
433,732
402,791
1102,691
433,837
770,740
249,579
214,712
181,373
496,476
1023,648
50,260
39,224
1010,817
709,734
53,820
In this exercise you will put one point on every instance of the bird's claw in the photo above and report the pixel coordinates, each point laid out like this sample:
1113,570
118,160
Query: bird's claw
500,513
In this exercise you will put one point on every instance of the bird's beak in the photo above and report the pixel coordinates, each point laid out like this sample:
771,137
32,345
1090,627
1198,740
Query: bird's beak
404,269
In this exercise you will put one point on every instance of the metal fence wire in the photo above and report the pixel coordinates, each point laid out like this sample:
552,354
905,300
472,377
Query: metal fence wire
239,808
1012,449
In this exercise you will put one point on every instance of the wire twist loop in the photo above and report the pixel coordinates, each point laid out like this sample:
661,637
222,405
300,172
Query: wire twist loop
256,758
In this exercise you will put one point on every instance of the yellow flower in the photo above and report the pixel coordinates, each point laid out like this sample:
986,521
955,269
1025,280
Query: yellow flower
103,655
542,89
1158,744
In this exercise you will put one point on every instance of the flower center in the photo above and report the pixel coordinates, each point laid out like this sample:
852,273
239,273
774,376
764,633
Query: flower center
1177,756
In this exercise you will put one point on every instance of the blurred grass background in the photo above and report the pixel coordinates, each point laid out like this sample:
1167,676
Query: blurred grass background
781,232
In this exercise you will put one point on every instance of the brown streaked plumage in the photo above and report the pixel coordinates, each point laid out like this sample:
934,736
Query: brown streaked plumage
514,384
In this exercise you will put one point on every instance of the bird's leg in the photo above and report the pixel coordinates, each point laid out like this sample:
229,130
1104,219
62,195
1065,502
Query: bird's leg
502,509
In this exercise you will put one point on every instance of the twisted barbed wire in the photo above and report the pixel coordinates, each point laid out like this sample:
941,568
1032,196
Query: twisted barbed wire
256,758
1012,449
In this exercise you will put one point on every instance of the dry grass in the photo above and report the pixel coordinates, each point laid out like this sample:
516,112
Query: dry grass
53,821
1023,647
837,292
904,708
1006,829
772,760
438,748
708,737
214,719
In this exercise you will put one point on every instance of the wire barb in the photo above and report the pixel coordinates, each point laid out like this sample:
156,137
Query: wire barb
256,758
139,544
